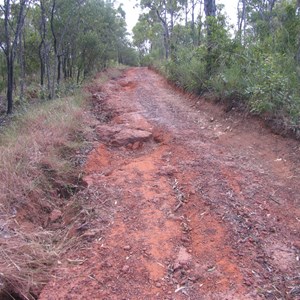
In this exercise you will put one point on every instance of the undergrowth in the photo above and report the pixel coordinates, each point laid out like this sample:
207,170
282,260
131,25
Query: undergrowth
38,175
249,80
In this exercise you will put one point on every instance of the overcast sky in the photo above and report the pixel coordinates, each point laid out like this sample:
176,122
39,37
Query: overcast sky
132,13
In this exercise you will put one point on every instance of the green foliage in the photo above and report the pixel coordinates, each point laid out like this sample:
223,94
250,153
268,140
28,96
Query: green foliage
258,70
187,69
147,37
271,89
64,41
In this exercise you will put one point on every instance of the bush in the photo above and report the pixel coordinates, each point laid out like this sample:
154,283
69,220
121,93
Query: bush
187,70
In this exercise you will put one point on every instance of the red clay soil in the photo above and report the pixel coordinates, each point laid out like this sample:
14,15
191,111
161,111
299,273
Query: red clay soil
188,202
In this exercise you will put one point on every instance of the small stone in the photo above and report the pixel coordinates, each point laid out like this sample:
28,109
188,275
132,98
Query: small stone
127,248
185,239
125,269
192,279
249,282
55,215
296,244
90,234
177,266
158,285
136,145
192,191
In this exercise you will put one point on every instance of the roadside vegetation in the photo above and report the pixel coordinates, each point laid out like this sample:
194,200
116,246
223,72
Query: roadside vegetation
42,152
49,49
254,66
37,174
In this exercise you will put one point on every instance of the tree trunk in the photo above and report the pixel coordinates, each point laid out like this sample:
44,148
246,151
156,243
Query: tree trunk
242,19
165,27
42,47
11,46
58,69
210,11
48,69
8,55
186,12
298,51
10,84
52,92
22,65
42,64
193,23
78,76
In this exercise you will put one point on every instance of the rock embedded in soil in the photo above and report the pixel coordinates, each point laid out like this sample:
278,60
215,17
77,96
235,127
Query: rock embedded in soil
125,269
127,136
55,215
137,145
106,132
296,244
119,136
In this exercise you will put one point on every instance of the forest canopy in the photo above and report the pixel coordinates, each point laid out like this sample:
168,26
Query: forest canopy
54,42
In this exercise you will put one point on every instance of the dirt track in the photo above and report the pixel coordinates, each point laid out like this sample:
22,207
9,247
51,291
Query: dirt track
188,202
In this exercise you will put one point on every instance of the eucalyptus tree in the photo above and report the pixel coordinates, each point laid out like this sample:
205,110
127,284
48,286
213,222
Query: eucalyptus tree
168,12
65,41
148,36
14,14
210,12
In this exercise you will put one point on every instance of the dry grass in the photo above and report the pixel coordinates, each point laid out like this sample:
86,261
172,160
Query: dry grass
38,174
35,163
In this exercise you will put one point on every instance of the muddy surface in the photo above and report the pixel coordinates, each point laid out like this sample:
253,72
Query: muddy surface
185,202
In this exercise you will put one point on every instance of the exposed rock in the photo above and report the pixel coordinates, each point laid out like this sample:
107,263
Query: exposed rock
127,136
106,132
137,145
296,244
120,136
183,257
125,269
133,120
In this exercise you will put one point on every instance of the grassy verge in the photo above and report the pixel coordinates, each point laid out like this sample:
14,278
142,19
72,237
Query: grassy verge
34,168
40,171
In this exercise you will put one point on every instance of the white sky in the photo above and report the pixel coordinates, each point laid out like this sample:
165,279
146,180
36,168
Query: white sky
132,13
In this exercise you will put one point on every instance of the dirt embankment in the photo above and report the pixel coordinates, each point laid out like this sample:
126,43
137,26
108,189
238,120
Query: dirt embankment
185,202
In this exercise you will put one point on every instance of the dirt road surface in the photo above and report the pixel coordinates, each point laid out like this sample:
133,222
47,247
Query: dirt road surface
186,202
